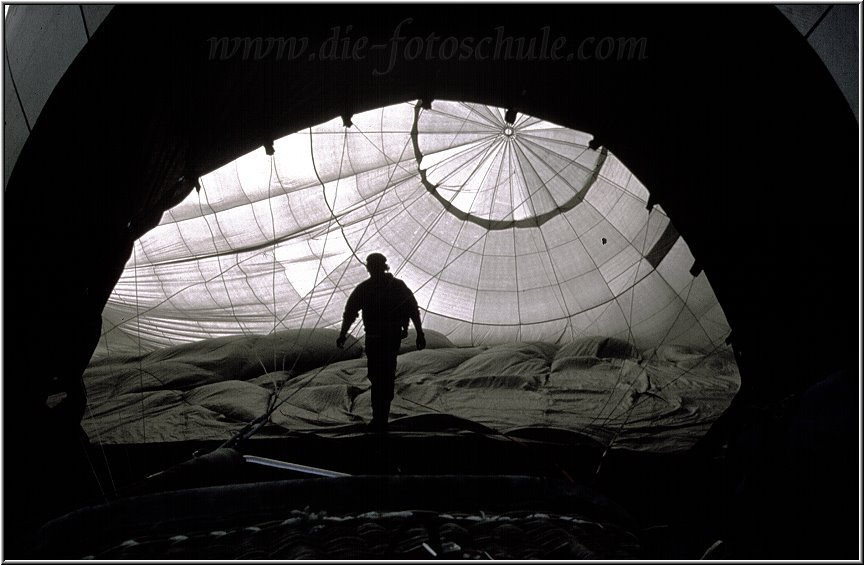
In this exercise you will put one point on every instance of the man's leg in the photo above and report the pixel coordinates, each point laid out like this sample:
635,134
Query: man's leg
388,382
381,364
375,373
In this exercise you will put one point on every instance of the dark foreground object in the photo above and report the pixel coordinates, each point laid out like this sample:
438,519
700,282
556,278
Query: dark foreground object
367,517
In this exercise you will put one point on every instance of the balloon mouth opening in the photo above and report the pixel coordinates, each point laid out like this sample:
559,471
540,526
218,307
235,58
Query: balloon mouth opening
508,131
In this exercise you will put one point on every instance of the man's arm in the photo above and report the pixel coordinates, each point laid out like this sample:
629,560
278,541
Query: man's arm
421,338
414,315
352,309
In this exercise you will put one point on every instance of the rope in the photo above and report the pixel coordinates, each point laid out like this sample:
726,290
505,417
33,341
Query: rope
629,320
84,21
104,455
17,94
140,373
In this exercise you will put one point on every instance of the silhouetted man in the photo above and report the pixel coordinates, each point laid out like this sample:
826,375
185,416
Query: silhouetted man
387,305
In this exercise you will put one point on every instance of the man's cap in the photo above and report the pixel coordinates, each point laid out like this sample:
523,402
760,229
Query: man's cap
377,261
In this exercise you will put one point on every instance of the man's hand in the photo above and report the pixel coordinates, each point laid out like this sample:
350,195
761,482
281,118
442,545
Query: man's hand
421,341
340,341
404,333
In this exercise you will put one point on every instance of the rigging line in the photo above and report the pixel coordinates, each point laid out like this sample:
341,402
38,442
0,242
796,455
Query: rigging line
276,321
92,468
462,252
485,112
251,429
485,237
310,230
327,232
306,298
316,281
433,189
348,244
323,188
236,264
563,303
447,261
84,21
663,339
818,21
162,284
317,272
595,176
397,165
17,94
138,326
490,147
252,204
161,384
388,186
205,281
587,254
486,122
684,306
234,251
421,193
489,224
187,287
579,193
332,214
428,231
659,389
442,212
219,261
483,129
510,153
491,131
375,211
480,147
102,449
641,254
629,321
558,148
530,144
273,269
465,121
654,353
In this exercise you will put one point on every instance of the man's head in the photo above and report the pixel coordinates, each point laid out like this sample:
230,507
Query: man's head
376,264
